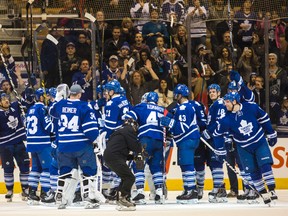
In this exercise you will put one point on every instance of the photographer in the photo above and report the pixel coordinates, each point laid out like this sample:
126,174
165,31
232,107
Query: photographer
120,143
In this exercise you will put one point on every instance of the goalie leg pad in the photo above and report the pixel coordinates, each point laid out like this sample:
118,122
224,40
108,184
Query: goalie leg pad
89,190
66,187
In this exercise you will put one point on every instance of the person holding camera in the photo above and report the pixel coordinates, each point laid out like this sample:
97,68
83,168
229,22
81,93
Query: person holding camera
120,143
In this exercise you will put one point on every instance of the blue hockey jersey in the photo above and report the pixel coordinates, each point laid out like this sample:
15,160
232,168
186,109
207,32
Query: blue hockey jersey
247,126
200,114
77,124
12,130
114,110
38,128
185,123
217,111
148,116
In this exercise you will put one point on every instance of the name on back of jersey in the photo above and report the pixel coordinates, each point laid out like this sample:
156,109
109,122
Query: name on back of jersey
69,110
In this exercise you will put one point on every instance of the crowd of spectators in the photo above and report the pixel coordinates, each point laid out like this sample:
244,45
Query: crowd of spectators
148,51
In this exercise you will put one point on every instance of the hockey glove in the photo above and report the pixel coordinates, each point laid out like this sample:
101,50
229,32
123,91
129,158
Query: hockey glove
139,161
167,122
272,139
234,75
229,144
220,155
206,135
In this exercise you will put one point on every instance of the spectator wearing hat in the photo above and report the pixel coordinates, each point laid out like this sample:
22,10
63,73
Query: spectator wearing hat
204,60
70,63
113,71
84,78
125,54
114,44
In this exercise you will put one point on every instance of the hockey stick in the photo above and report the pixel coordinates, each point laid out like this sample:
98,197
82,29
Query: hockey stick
56,42
13,86
22,50
42,80
234,170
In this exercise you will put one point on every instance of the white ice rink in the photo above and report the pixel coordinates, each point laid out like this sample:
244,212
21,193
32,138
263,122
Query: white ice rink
203,208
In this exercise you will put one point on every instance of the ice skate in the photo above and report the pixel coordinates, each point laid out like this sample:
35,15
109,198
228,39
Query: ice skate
252,197
266,198
33,199
91,203
111,196
25,194
222,195
159,199
190,197
77,201
242,198
9,196
213,195
152,196
48,198
123,204
273,196
139,199
200,192
180,197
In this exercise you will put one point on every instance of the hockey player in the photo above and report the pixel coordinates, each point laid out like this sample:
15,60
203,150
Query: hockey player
121,141
114,109
216,111
150,133
200,157
78,129
186,135
12,135
39,126
248,124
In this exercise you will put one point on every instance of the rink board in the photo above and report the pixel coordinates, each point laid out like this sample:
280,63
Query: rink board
174,182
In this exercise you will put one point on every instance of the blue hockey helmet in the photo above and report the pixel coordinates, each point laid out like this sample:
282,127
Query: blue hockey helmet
144,97
38,93
122,91
231,96
152,97
232,86
52,92
113,85
214,86
181,89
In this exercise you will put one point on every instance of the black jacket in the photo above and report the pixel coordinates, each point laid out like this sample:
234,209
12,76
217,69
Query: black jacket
120,143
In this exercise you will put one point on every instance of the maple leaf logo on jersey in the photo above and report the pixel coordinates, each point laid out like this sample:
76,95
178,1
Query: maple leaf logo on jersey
246,128
12,122
283,120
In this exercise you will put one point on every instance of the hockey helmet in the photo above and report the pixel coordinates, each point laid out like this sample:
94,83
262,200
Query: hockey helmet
113,85
152,97
52,92
144,97
214,86
38,93
181,89
231,96
122,91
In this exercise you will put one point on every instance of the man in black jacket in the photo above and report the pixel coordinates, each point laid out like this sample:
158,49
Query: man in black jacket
120,143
